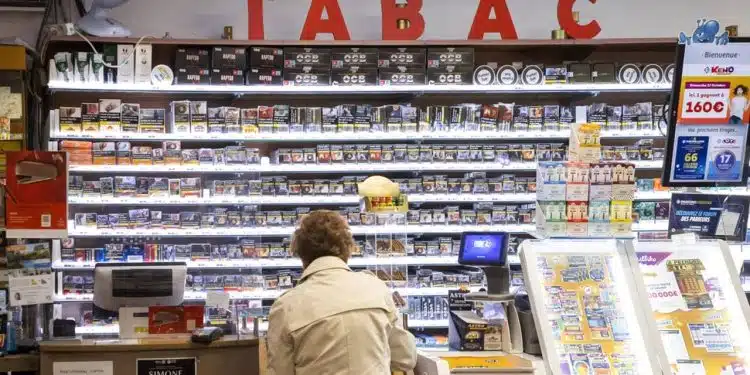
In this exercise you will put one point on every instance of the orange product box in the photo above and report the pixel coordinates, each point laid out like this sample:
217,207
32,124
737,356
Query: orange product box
82,145
174,319
104,153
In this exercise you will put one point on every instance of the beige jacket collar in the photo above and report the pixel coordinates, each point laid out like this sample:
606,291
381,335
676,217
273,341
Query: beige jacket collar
323,264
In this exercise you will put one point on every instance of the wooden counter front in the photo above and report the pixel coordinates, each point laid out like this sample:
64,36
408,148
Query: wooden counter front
230,355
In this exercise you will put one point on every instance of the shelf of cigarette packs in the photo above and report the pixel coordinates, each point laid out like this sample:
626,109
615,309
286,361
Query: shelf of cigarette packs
259,286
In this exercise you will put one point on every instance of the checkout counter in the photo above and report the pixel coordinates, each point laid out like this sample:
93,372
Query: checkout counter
133,290
228,355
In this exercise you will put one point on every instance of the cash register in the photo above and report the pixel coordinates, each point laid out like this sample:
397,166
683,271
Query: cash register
489,252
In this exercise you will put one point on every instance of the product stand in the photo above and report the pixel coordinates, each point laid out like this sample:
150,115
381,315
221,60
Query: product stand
698,304
585,296
700,310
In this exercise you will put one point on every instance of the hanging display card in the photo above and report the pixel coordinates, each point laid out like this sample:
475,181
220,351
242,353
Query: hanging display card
708,135
584,308
698,305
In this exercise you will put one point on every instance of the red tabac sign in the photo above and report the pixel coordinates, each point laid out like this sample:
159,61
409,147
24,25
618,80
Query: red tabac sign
491,16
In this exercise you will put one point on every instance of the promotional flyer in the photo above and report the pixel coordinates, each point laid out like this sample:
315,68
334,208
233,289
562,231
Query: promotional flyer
37,194
696,309
712,116
586,313
709,215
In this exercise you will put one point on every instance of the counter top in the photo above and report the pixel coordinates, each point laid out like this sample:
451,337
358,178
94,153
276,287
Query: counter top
19,363
115,345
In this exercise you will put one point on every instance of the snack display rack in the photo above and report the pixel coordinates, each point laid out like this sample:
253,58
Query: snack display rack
492,190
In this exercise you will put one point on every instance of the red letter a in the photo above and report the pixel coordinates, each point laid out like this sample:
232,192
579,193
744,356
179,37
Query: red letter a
571,26
502,23
315,24
391,15
255,20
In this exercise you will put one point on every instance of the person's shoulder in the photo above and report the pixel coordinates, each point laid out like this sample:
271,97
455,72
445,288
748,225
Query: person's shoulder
286,298
371,279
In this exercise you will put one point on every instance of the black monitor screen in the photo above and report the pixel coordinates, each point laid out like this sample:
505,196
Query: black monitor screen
142,283
483,249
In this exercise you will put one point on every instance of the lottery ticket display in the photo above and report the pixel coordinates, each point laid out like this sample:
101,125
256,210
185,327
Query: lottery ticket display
698,305
585,302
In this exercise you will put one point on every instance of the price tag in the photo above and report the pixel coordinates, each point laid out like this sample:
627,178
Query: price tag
705,101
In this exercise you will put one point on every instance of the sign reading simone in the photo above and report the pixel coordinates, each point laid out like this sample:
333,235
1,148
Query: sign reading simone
166,366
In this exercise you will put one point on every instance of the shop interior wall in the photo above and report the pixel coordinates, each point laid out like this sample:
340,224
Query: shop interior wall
445,19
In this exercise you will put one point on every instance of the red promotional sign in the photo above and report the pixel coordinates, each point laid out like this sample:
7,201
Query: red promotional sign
36,196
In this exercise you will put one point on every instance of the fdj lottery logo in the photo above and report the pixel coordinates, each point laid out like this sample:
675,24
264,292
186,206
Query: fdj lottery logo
719,70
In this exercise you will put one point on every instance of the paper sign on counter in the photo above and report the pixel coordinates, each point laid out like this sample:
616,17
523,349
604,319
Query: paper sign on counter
217,299
82,368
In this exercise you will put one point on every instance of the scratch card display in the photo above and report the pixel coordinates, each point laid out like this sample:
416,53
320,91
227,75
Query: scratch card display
585,312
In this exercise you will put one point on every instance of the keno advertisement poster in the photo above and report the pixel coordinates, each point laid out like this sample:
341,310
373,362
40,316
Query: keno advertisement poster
711,123
697,304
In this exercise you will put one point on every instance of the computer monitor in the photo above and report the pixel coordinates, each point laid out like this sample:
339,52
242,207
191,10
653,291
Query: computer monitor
138,285
483,249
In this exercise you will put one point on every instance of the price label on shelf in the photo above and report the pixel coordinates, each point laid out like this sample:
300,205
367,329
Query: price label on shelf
705,101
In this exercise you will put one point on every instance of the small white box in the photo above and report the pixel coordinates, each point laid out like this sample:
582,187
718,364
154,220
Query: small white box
126,60
143,64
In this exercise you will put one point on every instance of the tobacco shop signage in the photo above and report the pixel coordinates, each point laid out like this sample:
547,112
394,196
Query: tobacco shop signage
423,19
167,366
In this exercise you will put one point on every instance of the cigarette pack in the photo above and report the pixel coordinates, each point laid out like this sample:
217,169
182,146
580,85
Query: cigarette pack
104,153
151,120
142,155
90,117
70,119
216,119
123,153
131,117
198,117
232,119
110,115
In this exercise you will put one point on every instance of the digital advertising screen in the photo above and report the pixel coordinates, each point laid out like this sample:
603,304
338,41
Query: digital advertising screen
487,248
709,116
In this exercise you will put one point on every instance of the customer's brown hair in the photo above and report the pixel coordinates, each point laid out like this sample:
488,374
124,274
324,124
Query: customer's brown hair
322,233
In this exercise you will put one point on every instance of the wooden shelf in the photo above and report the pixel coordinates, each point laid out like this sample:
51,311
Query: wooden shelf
642,43
19,363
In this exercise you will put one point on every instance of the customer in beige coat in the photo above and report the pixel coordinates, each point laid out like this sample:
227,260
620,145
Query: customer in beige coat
335,321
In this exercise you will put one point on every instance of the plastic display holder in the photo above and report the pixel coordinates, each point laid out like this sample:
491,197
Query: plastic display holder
586,296
498,285
698,303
